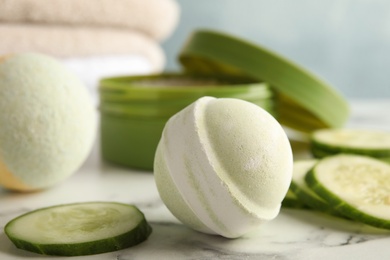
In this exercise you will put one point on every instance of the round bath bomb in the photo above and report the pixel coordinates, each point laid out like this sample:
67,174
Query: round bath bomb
47,122
223,166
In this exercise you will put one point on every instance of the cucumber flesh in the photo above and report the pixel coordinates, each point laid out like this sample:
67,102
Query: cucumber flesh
353,141
357,186
79,229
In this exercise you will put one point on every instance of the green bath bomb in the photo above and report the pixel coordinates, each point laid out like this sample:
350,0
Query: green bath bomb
47,122
223,166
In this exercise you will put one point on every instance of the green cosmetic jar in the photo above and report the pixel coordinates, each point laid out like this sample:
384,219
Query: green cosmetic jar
130,141
134,110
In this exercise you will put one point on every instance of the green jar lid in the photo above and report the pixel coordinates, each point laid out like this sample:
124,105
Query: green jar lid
304,101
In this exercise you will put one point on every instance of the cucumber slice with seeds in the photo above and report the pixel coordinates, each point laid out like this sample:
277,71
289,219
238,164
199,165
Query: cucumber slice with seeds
79,229
327,142
356,186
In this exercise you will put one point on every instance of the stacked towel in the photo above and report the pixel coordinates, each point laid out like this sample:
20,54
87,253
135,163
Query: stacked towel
155,18
96,38
65,41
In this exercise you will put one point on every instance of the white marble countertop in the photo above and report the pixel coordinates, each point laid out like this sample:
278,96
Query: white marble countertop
294,234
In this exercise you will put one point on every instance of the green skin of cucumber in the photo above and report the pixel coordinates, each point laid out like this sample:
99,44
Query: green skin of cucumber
141,232
342,207
293,202
135,236
320,150
312,202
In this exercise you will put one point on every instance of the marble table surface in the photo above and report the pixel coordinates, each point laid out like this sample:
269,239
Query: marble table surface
294,234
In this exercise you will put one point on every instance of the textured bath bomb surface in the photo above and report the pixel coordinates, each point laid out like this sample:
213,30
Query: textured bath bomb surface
223,166
47,122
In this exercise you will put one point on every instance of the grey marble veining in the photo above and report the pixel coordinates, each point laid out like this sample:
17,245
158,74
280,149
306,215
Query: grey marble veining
294,234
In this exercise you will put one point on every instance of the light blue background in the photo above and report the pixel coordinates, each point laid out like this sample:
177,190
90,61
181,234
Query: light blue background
345,42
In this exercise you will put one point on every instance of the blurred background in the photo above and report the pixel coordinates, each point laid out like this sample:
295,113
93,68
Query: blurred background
346,42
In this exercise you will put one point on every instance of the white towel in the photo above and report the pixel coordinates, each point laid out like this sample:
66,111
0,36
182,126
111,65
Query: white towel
65,41
155,18
92,69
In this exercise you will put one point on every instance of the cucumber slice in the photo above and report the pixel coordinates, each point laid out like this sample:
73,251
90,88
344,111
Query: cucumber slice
353,141
79,229
292,201
356,186
303,192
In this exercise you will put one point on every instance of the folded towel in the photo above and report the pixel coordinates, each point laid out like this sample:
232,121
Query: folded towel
63,41
155,18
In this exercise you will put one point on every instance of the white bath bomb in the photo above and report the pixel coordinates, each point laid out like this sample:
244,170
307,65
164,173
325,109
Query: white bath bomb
47,122
223,166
